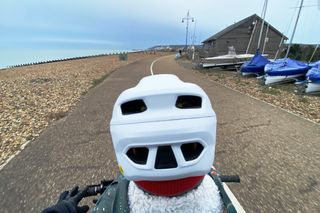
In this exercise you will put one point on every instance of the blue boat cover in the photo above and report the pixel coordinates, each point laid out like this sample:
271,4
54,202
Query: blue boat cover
314,74
285,67
315,64
255,65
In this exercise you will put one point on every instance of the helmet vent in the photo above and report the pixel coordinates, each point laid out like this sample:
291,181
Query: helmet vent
188,102
133,107
138,155
165,158
191,151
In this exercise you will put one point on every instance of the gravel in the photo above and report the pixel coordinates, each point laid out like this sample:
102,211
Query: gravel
32,97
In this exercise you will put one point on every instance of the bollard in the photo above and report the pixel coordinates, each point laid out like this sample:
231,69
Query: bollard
123,57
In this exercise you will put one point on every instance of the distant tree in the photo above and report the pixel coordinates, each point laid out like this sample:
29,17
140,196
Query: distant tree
295,52
316,56
307,53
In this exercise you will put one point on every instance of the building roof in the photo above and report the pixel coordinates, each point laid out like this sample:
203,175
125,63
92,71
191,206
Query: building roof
235,25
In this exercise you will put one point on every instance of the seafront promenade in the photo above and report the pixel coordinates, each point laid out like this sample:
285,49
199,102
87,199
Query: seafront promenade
274,152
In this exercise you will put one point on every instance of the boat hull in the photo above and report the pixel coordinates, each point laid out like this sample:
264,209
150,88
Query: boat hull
252,70
221,64
283,70
281,79
313,77
288,71
226,60
312,87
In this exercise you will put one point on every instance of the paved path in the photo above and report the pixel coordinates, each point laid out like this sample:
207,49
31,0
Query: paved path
275,153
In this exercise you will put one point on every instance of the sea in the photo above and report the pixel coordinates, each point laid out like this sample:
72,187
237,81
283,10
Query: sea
17,57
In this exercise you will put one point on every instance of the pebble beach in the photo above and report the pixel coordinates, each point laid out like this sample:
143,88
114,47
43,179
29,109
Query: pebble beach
33,97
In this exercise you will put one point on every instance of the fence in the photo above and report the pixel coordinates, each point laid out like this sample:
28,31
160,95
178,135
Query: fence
122,56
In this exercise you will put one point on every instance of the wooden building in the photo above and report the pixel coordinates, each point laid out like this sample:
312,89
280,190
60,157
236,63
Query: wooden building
239,34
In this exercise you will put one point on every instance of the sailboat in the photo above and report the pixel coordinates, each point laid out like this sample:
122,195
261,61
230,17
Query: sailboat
230,59
256,64
314,64
286,69
313,78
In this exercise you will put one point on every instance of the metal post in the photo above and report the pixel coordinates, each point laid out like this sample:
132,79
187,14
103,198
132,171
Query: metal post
294,29
280,44
194,33
314,52
265,39
252,33
194,39
262,24
187,18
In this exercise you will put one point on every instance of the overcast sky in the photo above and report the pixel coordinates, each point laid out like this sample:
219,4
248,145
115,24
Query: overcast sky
133,24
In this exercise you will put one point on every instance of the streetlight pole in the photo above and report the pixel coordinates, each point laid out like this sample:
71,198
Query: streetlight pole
194,37
187,18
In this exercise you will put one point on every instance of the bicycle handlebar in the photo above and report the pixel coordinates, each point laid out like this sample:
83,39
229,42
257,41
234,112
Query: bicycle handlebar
93,190
230,178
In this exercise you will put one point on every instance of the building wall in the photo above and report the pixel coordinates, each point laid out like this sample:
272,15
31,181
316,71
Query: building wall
272,44
273,40
239,38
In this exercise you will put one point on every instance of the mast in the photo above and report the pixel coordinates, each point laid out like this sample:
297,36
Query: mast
314,52
275,57
250,40
294,29
265,39
263,14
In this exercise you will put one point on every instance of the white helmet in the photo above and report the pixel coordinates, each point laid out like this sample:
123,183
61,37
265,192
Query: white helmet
163,129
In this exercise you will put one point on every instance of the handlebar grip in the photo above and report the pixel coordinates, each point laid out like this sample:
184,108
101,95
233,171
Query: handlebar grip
230,178
93,190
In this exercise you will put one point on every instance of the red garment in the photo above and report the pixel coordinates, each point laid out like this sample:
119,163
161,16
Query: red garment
170,187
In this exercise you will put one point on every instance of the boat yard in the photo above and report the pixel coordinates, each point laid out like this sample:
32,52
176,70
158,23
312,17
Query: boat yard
285,96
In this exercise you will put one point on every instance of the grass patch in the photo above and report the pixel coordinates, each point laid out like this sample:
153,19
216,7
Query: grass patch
97,81
29,137
57,115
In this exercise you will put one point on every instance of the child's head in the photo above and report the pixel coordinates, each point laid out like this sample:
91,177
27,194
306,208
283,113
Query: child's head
163,132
